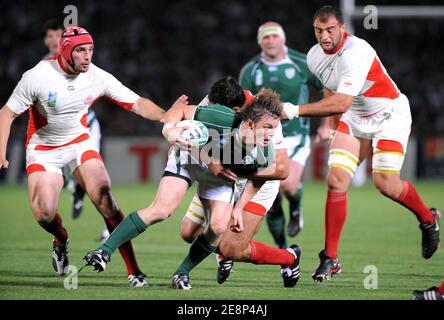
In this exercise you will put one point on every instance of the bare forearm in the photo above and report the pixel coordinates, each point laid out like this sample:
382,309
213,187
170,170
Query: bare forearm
148,109
329,106
6,119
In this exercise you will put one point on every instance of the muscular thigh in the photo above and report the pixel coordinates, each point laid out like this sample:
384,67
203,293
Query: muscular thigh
252,224
92,175
44,191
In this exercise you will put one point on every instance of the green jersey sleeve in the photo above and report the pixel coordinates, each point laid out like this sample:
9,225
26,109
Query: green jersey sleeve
217,117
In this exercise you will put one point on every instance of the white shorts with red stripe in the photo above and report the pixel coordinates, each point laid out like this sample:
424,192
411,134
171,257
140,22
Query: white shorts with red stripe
389,131
263,199
259,205
53,159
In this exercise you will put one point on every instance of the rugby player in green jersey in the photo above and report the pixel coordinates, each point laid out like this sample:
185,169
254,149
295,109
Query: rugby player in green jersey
216,194
285,71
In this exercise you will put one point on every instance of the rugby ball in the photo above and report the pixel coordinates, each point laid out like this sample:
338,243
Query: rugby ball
197,132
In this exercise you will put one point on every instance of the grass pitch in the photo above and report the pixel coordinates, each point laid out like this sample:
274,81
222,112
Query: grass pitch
378,233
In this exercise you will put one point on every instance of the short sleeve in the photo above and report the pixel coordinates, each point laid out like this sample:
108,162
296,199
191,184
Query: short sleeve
23,96
355,65
117,92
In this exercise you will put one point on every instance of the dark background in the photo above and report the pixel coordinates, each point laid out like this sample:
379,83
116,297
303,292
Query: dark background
162,49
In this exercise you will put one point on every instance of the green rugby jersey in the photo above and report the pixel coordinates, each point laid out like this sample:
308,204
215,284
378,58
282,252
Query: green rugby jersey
290,77
242,159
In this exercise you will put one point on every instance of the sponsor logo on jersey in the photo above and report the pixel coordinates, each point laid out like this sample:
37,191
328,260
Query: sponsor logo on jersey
258,78
52,99
290,73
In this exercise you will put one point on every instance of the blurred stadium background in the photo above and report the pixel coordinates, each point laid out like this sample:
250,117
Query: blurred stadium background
162,49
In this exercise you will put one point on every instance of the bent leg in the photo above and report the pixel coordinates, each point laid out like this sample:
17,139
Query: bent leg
44,191
169,195
208,241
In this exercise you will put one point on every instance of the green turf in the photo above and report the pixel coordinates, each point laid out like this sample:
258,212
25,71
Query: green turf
378,232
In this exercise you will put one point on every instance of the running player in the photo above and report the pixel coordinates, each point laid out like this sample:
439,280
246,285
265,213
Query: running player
285,70
216,194
239,246
373,115
58,93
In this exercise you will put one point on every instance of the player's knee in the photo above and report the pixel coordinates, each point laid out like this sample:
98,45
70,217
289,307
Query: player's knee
336,182
43,210
218,227
187,235
231,250
44,219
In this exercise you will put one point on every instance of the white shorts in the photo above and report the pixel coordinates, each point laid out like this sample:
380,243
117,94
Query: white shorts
298,148
258,205
263,199
208,186
53,160
393,123
388,130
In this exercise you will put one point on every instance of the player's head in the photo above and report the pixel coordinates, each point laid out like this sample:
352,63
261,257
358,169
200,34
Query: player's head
271,39
229,93
329,27
52,30
262,117
76,47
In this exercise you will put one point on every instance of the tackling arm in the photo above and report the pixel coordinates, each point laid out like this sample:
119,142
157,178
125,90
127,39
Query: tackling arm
335,104
7,116
251,188
148,109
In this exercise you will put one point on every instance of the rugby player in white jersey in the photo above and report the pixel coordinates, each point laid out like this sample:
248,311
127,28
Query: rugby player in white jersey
58,92
372,115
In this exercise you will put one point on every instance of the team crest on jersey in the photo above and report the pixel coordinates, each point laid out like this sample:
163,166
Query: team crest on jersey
290,73
258,79
52,99
247,160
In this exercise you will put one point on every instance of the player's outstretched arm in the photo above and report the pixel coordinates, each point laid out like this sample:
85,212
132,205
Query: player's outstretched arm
148,109
7,116
337,103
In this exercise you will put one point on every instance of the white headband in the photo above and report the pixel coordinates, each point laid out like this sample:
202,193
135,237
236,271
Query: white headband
266,30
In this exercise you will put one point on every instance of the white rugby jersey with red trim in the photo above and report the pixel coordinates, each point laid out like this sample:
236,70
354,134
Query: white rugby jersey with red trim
59,101
354,69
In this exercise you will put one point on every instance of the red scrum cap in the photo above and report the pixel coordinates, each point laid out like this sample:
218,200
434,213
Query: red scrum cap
73,37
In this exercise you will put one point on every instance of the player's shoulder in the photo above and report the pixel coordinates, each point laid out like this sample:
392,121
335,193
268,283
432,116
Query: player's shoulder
297,56
40,71
251,63
355,44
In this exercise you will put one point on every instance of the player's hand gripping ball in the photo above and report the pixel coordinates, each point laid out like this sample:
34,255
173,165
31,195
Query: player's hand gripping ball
197,133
